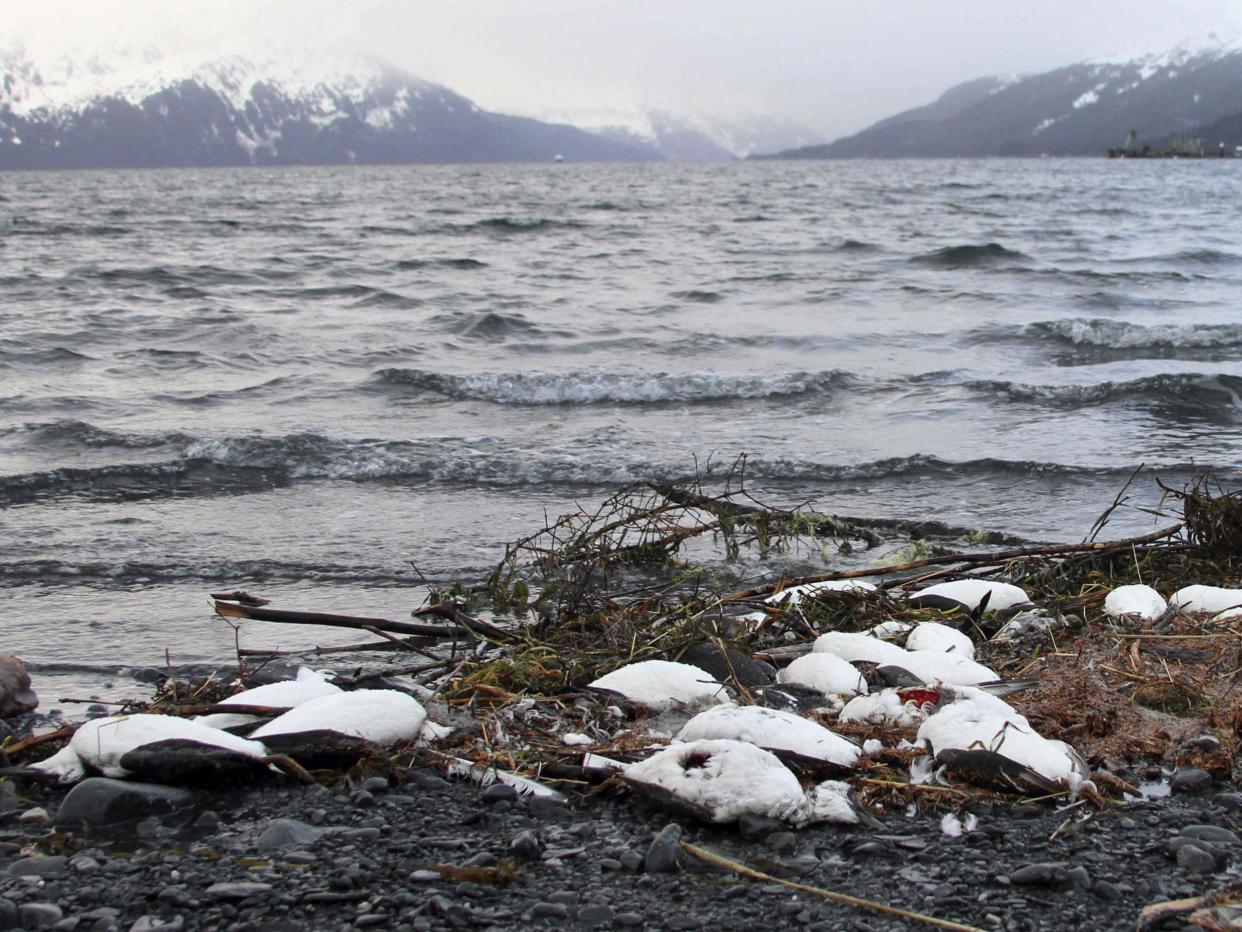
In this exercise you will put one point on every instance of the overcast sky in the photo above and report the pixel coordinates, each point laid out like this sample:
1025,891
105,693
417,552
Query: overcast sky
836,65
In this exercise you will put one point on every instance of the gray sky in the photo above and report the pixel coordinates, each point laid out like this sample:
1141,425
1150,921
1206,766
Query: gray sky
837,65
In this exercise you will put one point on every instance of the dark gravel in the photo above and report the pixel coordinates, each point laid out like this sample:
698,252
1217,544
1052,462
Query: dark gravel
365,856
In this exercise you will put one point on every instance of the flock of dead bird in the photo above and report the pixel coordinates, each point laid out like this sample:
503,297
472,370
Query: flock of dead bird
725,760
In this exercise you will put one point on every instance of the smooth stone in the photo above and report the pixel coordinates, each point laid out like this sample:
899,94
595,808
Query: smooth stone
664,855
237,891
754,827
8,914
1195,860
207,822
628,919
1190,780
550,911
287,833
596,914
1216,834
1106,891
1041,875
40,867
375,784
39,915
101,802
499,792
36,815
783,842
156,924
16,696
526,846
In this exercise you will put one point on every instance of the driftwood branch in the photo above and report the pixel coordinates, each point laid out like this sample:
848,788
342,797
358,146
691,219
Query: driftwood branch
477,626
749,872
286,616
968,559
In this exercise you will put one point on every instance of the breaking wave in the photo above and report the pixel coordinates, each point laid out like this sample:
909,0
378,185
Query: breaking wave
597,387
1118,334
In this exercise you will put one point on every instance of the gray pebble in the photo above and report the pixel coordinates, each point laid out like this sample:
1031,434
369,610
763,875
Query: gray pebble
550,911
1190,780
498,792
1106,891
783,842
1194,859
628,919
40,867
1216,834
526,846
664,855
595,915
631,860
1045,875
237,891
287,833
39,915
375,784
156,924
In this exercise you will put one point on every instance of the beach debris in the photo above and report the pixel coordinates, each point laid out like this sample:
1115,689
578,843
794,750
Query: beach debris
776,730
891,629
955,826
795,594
826,673
380,716
460,769
662,685
1135,601
16,696
100,745
968,594
933,636
286,694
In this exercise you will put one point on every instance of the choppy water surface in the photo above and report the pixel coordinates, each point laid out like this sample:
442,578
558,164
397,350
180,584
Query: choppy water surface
297,381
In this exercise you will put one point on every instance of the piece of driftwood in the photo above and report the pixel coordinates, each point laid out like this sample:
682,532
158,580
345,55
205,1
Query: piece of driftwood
749,872
478,626
287,616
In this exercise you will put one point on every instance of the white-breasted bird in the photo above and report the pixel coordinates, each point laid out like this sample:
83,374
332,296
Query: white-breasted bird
773,730
99,744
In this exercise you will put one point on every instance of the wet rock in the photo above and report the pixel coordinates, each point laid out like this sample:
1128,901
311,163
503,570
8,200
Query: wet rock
101,802
237,891
282,834
548,910
1190,780
39,915
1217,834
1040,875
596,915
40,867
1194,859
664,855
156,924
783,842
375,784
8,914
526,846
16,696
754,827
499,793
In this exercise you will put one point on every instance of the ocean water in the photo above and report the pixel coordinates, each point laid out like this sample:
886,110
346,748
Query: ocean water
325,385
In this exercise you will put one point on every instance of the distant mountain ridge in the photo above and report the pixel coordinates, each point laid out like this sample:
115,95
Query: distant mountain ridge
1081,109
238,111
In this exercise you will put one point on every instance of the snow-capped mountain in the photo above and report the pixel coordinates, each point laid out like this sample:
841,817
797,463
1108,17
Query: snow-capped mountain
692,137
1082,109
142,110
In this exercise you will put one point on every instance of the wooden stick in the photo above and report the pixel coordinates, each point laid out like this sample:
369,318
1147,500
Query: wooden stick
474,625
998,556
750,872
285,616
35,740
